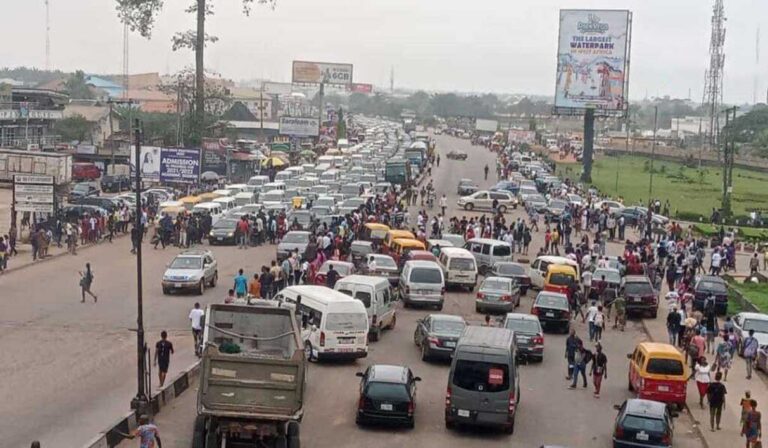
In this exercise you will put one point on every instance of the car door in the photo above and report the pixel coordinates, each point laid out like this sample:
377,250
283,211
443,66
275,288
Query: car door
208,267
482,201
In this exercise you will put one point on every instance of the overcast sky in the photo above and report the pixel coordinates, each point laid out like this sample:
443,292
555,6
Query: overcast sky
480,45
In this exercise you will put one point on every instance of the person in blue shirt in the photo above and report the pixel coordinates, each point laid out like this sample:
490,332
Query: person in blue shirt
241,284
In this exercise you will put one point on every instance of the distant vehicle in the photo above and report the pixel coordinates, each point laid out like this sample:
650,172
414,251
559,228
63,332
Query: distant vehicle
397,171
387,395
436,335
466,187
640,296
422,283
643,424
83,190
381,265
575,200
457,155
115,183
294,240
497,294
711,285
483,200
343,268
191,270
223,232
613,206
553,310
82,171
633,215
515,271
529,335
106,203
743,322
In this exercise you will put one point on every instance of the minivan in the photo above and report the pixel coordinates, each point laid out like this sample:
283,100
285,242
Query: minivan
657,371
540,267
422,283
377,297
211,208
487,252
483,384
459,267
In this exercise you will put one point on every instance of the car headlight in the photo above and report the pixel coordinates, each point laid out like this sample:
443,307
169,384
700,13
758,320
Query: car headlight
211,233
231,234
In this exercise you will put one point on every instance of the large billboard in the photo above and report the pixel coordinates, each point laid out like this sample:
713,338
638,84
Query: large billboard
593,61
149,161
180,165
299,127
325,72
482,125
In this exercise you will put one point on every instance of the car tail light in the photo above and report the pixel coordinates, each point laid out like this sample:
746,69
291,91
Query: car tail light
410,408
322,339
665,439
361,403
433,340
448,397
506,298
538,340
480,295
512,403
534,311
618,433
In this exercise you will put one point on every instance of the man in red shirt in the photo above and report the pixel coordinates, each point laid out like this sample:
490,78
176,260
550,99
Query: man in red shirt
243,233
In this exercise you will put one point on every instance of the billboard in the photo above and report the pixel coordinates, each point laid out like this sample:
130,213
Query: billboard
593,61
180,165
521,136
149,162
360,88
325,72
483,125
299,127
33,193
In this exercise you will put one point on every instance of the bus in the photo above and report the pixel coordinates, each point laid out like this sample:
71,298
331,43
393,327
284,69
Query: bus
397,172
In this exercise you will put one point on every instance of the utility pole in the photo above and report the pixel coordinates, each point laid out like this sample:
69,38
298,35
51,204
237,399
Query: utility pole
627,122
321,93
141,401
179,110
111,129
653,150
729,153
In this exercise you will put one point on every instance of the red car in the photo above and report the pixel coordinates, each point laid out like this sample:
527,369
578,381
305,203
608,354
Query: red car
417,255
344,269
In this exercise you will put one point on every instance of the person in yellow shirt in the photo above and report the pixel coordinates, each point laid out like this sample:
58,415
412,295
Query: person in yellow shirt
254,287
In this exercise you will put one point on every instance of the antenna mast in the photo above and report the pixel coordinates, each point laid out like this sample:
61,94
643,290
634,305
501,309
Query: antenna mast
713,77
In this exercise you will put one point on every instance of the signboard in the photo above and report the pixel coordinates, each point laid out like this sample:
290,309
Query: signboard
593,61
360,88
180,165
149,163
321,72
299,127
486,125
33,193
85,149
521,136
215,160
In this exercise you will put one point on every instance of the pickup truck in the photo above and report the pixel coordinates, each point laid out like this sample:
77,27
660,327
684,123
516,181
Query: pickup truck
251,378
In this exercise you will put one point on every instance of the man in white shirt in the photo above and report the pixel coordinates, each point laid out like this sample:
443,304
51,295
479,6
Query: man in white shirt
196,319
591,313
716,260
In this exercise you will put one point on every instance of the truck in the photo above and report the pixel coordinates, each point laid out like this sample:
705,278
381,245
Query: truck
14,162
397,171
252,377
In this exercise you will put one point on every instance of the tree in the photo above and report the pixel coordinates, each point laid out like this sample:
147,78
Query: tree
77,87
140,16
74,128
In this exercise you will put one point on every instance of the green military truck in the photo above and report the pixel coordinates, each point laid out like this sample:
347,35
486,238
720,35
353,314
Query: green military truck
251,378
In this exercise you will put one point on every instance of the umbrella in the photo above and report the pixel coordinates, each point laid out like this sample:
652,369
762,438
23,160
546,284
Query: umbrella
209,175
279,154
274,161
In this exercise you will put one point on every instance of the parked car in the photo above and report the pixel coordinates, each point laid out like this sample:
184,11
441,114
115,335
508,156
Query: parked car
529,335
516,271
557,210
643,423
457,155
359,250
635,214
387,395
640,296
115,183
743,322
613,206
223,232
497,294
483,200
107,204
466,187
191,270
536,202
422,283
78,211
436,335
553,310
381,265
83,190
711,285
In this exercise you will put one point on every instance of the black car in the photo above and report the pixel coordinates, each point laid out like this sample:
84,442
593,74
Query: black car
640,296
711,285
83,190
223,232
466,187
105,203
436,335
115,183
553,310
529,336
516,271
643,423
78,211
634,214
387,395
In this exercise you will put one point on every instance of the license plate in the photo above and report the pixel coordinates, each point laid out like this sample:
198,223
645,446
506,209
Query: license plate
347,341
550,314
637,299
219,238
450,344
425,292
386,407
463,413
177,285
663,388
641,436
344,350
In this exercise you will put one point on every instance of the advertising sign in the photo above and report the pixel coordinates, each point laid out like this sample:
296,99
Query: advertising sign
299,127
317,72
33,193
180,165
215,160
360,88
521,136
486,125
149,163
592,61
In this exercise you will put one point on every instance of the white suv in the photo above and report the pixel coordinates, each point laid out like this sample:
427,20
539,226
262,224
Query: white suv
191,270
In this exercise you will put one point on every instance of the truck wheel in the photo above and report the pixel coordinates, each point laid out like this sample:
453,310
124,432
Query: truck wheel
281,442
198,432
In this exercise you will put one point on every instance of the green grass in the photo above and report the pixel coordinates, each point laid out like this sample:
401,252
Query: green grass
757,293
689,191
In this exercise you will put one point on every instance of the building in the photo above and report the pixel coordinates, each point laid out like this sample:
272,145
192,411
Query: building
28,117
97,116
257,102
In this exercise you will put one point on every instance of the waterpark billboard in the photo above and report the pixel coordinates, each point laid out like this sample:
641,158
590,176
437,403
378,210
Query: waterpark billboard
593,61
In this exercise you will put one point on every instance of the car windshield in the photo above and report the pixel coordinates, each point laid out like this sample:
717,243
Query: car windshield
187,263
610,276
225,224
549,301
481,376
663,366
536,198
510,269
462,264
712,286
759,325
342,269
296,238
637,423
559,279
346,322
638,288
387,392
557,204
81,187
426,275
361,248
526,326
495,285
386,262
448,326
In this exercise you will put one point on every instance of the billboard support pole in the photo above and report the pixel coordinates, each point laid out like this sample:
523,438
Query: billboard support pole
589,142
321,93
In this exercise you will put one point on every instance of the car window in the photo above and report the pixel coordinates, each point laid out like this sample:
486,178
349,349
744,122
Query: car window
660,366
560,279
502,250
637,423
346,321
481,376
759,325
364,297
481,196
387,391
523,326
486,249
426,275
510,269
548,301
296,238
186,263
499,196
638,288
448,326
496,285
462,264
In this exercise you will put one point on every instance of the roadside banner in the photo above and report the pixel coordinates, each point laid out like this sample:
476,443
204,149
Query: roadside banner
149,162
299,127
360,88
321,72
521,136
33,193
180,165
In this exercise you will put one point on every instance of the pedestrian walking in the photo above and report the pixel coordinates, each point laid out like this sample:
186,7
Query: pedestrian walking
485,170
599,369
723,357
599,323
254,287
86,281
752,429
673,324
702,373
591,312
750,352
196,321
163,352
716,398
746,406
241,284
572,343
582,357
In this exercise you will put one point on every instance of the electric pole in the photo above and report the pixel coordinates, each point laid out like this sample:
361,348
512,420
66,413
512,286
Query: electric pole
653,150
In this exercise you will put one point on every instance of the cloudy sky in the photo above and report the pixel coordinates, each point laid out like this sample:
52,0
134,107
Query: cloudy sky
480,45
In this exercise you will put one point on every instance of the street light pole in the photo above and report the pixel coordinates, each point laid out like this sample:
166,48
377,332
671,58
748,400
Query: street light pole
653,150
141,401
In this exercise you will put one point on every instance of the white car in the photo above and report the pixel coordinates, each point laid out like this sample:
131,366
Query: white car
483,200
613,206
191,270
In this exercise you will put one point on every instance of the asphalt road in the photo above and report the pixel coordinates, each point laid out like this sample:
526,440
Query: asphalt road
550,413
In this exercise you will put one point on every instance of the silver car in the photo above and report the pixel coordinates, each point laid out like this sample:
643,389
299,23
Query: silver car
483,200
497,294
191,270
422,283
743,322
294,240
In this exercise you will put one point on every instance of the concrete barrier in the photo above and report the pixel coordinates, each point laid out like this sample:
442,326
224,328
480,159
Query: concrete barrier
111,437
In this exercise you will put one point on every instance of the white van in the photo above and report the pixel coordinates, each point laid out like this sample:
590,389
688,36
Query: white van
282,176
211,208
538,270
330,176
223,193
320,168
488,251
459,267
308,181
273,186
234,188
227,203
296,170
244,198
323,160
377,297
333,324
272,196
258,180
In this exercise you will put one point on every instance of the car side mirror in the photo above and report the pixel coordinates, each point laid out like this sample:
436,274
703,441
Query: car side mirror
360,374
629,355
418,378
617,407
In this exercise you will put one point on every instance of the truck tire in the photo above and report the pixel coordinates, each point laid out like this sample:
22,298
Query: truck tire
198,432
293,432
